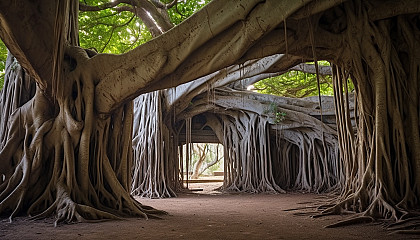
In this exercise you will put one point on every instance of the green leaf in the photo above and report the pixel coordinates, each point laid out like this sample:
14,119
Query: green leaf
295,84
3,57
108,31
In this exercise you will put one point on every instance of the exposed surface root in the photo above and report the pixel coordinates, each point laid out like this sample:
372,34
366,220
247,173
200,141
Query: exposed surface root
351,221
65,160
300,208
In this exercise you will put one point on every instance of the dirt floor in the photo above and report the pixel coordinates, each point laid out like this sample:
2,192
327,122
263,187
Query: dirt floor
209,214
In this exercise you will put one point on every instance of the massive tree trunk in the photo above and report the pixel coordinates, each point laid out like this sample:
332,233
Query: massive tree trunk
382,158
62,158
59,156
68,148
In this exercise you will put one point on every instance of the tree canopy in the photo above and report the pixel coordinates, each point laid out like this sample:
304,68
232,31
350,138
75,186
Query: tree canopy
117,29
295,84
68,144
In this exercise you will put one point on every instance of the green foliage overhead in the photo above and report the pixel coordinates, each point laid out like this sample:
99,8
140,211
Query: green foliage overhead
109,31
295,84
184,8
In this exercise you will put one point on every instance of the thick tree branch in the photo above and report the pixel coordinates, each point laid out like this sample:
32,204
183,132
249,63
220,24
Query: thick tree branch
152,18
310,68
125,9
22,38
180,96
191,55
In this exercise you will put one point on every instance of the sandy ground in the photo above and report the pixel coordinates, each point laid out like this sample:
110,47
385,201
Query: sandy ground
208,214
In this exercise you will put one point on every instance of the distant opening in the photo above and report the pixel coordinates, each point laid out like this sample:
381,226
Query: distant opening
201,156
204,168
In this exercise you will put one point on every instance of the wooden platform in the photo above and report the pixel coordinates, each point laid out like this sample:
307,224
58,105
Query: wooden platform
204,180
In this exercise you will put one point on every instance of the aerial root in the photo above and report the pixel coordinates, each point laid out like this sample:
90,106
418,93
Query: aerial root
45,200
136,207
18,205
351,221
15,187
13,182
66,211
94,213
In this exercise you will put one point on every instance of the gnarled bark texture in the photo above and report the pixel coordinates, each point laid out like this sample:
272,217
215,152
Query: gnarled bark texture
59,157
382,157
18,89
68,148
67,161
154,172
371,42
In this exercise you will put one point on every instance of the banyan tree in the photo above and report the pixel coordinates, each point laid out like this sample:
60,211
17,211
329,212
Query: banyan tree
67,148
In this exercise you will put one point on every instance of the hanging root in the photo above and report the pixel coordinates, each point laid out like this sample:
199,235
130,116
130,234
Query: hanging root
150,171
381,153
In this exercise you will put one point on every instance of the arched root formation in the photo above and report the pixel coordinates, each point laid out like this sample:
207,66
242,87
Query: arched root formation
263,153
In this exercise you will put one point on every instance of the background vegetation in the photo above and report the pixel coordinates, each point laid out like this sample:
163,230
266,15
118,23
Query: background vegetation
3,56
296,84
